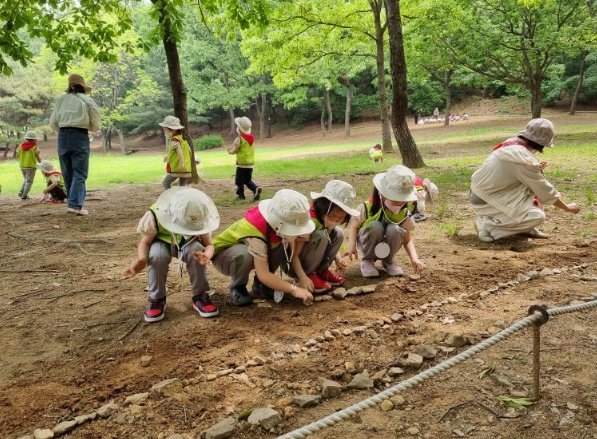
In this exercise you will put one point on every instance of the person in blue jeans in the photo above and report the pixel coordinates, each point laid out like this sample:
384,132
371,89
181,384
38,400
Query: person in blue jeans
74,115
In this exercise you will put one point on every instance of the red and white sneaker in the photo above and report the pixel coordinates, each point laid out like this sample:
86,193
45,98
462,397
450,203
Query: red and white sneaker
319,285
331,278
204,306
155,310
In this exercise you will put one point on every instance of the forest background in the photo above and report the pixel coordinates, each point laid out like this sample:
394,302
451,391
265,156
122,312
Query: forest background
289,64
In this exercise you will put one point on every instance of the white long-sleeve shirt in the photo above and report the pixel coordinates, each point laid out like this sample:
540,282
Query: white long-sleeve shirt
76,110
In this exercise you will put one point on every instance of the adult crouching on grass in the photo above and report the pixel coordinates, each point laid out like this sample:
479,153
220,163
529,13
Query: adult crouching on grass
74,115
504,188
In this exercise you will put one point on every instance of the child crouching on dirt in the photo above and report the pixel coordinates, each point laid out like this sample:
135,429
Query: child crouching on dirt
266,234
55,191
385,224
376,154
426,192
311,263
179,224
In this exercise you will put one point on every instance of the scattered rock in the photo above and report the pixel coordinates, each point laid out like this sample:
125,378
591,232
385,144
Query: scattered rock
259,361
571,406
347,331
329,388
414,277
410,289
458,433
43,433
64,427
532,275
386,405
501,379
455,340
307,400
522,278
354,291
339,293
398,400
546,272
500,324
265,417
446,349
167,387
367,289
109,409
349,366
413,431
241,369
360,382
145,360
328,336
221,430
396,317
336,332
82,419
395,371
412,360
311,342
426,351
137,398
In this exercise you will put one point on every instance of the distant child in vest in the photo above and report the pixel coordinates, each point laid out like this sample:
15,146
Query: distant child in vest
179,224
426,192
29,157
179,153
245,159
330,210
376,154
260,241
55,191
385,224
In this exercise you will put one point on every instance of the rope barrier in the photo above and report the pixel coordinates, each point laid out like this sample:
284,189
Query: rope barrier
372,401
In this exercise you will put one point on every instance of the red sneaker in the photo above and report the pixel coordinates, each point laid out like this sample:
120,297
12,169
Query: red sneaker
319,285
155,310
331,278
204,306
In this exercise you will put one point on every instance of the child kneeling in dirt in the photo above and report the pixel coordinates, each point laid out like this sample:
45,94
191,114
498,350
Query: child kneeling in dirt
266,234
179,224
385,224
311,262
54,191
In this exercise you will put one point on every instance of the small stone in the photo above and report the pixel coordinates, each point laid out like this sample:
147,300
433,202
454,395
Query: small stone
211,377
571,406
347,331
43,433
336,332
395,371
82,419
349,366
260,361
396,317
426,351
361,382
446,349
458,433
455,340
546,272
320,338
367,289
307,400
311,342
532,274
411,313
522,278
145,360
137,398
221,430
398,400
329,388
64,427
109,409
240,369
414,277
354,291
386,405
328,336
412,360
413,431
339,293
167,388
500,324
266,417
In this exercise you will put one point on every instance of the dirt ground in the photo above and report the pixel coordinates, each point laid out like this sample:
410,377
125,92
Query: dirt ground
73,337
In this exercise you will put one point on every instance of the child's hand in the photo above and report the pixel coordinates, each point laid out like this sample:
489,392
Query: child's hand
418,265
301,293
135,268
306,283
340,263
201,257
351,252
543,165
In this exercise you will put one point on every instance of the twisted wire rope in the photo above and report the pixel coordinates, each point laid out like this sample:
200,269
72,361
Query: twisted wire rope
372,401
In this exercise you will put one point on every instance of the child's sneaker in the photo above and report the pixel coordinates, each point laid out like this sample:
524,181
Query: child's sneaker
155,310
331,278
482,233
26,197
368,268
257,194
204,306
261,291
393,269
319,285
239,296
418,217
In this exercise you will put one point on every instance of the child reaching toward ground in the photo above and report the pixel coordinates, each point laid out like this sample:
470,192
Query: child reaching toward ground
385,224
28,155
179,224
179,153
330,210
245,159
426,191
55,191
376,154
266,234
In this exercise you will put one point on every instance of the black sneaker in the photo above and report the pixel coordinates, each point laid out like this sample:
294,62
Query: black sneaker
204,306
155,310
257,194
261,291
240,296
26,197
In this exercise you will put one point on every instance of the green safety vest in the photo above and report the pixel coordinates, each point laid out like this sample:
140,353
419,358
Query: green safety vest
245,154
27,158
173,156
238,231
389,216
163,233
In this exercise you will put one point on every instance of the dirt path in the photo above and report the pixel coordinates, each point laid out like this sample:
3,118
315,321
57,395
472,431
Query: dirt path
73,339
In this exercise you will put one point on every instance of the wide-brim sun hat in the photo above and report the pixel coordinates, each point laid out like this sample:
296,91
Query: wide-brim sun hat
540,131
76,79
287,212
30,135
45,166
340,193
396,184
171,122
244,124
187,211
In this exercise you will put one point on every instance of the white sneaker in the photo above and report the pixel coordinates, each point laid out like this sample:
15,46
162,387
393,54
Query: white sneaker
368,269
536,233
80,211
482,232
393,269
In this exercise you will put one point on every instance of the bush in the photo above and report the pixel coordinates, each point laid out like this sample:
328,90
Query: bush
208,142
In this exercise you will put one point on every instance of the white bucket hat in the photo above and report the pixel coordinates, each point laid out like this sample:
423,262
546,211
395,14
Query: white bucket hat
244,124
340,193
171,122
187,211
396,184
539,131
30,135
46,166
287,213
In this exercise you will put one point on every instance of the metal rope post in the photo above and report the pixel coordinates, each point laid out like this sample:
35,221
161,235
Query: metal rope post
537,347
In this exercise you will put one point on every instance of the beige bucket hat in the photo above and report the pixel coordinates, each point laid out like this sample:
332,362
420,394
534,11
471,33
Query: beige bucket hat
46,166
76,79
340,193
396,184
187,211
30,135
244,124
171,122
287,212
540,131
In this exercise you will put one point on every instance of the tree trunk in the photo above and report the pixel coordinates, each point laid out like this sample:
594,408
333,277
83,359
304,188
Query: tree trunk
179,92
322,121
536,97
348,106
386,132
262,116
232,124
121,140
448,93
328,106
406,144
104,139
581,74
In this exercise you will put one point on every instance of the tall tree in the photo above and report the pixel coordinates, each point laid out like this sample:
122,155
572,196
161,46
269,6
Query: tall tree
411,157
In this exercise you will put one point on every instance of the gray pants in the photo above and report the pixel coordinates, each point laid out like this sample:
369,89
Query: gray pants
319,253
500,225
373,233
237,263
169,179
160,255
28,176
